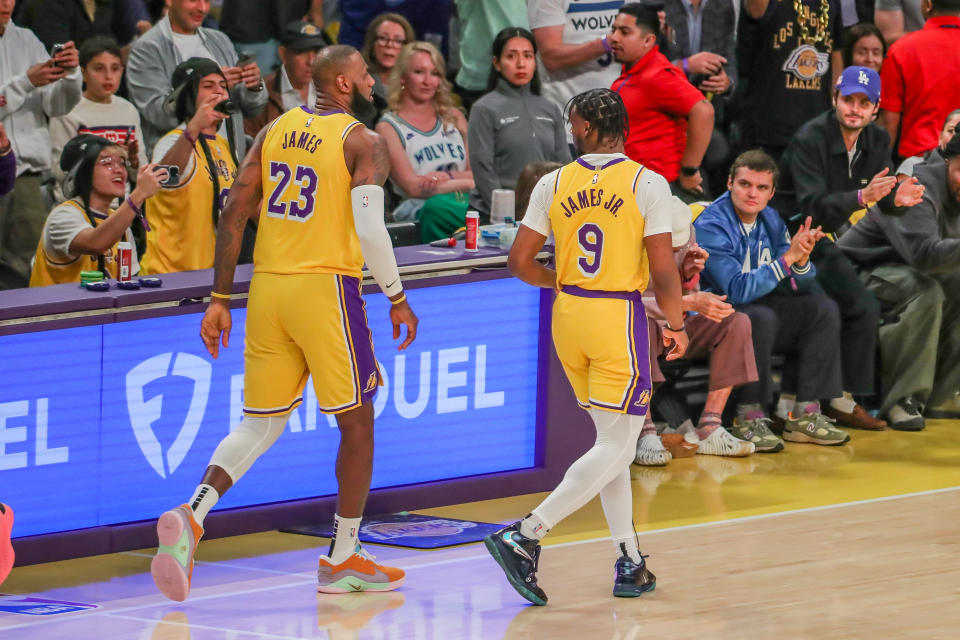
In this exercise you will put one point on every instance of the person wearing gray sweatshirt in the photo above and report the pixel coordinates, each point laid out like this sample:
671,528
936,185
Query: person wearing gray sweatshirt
512,125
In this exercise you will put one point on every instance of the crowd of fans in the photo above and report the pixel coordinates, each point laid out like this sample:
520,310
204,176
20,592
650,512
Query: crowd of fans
814,141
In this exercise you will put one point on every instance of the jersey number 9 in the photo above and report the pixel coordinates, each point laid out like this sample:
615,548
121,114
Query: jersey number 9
590,238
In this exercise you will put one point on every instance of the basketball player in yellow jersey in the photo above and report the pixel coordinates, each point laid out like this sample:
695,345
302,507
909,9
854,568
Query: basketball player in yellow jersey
610,217
319,175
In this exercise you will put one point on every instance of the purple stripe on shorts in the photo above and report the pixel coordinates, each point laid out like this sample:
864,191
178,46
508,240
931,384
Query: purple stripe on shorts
634,296
639,400
363,356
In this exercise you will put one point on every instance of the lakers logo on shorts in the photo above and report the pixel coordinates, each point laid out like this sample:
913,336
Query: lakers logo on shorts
371,383
644,399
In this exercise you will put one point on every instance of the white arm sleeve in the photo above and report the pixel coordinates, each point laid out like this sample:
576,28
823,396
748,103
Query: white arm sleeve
367,200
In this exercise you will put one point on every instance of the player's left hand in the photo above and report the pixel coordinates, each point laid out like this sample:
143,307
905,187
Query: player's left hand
216,325
402,314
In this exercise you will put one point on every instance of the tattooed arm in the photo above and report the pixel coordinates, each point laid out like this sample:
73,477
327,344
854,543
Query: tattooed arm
242,205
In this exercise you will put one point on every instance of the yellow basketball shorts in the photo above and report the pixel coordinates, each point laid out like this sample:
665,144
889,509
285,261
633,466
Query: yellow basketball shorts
303,324
601,339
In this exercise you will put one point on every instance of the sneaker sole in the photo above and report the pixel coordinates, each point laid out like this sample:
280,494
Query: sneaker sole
352,584
912,425
773,449
633,593
794,436
168,575
518,586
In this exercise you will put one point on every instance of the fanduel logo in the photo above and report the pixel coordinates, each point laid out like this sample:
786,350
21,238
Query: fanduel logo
144,413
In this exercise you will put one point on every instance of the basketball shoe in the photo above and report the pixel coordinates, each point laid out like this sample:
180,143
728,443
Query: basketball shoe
359,572
172,568
6,548
518,556
632,579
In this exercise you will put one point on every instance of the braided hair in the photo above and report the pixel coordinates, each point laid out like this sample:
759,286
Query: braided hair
605,112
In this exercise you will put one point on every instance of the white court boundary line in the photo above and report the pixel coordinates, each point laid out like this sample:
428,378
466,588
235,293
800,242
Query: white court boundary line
698,525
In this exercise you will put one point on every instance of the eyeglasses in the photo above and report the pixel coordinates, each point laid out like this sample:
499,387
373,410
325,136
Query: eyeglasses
386,41
112,162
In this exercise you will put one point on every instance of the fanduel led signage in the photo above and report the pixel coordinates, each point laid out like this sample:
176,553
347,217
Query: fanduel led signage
116,423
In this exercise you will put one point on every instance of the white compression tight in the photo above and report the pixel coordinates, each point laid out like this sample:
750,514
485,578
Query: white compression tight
604,470
252,437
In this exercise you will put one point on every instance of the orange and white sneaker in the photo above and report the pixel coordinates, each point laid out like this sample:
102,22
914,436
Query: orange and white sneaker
6,548
178,534
359,572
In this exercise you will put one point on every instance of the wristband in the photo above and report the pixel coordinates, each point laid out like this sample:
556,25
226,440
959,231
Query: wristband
689,171
686,67
683,327
860,198
186,134
606,44
139,212
402,298
221,296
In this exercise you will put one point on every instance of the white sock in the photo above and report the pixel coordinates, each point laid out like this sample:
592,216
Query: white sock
786,404
534,527
346,534
202,501
846,403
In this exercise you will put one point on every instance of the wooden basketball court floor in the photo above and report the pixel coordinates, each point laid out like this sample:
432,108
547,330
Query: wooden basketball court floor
861,541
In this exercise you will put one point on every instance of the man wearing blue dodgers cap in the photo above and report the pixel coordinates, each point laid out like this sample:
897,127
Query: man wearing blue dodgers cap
836,165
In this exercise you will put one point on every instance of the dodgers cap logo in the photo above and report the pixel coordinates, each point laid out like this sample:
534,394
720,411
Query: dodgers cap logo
144,413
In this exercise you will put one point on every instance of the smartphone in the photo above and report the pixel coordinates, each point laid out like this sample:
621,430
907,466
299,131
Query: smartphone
225,107
173,175
246,57
54,50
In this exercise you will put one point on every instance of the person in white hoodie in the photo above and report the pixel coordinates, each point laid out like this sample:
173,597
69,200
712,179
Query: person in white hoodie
34,86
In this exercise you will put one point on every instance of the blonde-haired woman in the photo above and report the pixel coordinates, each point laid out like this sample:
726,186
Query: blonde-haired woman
426,136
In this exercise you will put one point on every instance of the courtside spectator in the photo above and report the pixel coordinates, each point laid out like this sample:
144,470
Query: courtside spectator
527,180
920,84
480,22
427,140
178,37
56,21
836,165
575,52
386,36
8,164
183,218
512,125
788,56
81,233
670,120
430,20
935,155
912,264
863,46
768,275
33,87
897,18
99,111
717,333
291,85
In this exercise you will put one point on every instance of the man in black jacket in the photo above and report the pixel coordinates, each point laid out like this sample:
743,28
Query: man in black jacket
912,264
834,165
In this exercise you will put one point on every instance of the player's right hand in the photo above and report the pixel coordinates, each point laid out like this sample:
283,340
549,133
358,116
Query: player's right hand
216,325
679,341
402,314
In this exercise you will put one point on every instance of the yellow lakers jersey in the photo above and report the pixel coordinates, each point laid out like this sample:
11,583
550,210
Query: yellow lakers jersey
47,271
306,219
182,235
598,226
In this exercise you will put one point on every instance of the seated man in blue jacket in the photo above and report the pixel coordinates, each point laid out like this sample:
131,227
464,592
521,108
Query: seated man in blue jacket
769,276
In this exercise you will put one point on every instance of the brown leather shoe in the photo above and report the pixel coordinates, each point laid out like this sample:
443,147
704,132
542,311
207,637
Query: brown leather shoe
678,446
858,419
